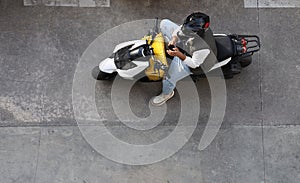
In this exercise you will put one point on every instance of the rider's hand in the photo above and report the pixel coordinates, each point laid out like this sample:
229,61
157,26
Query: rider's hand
173,52
173,41
177,53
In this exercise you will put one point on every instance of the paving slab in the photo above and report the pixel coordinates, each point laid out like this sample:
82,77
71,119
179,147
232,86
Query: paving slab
13,11
53,45
235,156
239,111
243,104
271,4
243,91
31,57
18,154
280,66
243,96
69,3
20,103
57,102
228,16
282,151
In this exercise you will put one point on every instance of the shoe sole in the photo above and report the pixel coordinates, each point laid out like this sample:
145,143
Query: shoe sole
159,104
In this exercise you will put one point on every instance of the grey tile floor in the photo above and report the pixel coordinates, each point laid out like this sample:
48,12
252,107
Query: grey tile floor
39,138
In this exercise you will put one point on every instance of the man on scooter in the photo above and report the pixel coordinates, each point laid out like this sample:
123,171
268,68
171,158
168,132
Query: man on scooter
190,44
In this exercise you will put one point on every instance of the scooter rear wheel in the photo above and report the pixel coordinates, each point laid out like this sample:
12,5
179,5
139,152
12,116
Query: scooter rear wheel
245,61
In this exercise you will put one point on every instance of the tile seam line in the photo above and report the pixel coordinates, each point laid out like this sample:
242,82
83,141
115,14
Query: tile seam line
38,156
261,98
75,125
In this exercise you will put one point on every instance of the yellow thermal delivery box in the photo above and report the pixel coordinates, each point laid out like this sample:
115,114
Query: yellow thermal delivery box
155,70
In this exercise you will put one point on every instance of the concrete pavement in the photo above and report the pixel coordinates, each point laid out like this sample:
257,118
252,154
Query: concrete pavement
40,141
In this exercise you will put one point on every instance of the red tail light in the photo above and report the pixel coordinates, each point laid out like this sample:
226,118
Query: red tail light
244,42
206,25
244,49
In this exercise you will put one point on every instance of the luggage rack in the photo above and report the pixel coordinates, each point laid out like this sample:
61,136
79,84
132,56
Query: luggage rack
246,44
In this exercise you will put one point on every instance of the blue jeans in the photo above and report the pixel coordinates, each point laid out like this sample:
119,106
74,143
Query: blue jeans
177,69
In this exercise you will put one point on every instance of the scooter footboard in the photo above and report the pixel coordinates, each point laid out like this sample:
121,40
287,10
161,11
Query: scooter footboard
246,44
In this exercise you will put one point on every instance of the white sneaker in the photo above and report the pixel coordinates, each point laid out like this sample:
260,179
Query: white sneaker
161,99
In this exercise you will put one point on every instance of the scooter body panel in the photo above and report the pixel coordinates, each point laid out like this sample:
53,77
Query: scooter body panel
134,43
108,65
130,73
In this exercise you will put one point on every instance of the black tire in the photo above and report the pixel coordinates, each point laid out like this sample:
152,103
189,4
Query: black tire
99,75
245,61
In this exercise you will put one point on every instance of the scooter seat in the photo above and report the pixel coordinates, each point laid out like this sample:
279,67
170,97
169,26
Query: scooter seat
225,47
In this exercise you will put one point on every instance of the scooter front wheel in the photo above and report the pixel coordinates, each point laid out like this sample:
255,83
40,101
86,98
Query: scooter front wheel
99,75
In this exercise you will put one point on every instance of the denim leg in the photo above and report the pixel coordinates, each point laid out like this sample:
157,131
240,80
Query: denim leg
177,71
167,27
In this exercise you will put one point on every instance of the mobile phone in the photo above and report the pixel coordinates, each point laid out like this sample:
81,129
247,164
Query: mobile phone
171,47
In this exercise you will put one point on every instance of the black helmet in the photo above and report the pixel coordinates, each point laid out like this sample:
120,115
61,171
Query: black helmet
195,23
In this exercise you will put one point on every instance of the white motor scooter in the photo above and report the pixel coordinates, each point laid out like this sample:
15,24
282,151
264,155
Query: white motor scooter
148,57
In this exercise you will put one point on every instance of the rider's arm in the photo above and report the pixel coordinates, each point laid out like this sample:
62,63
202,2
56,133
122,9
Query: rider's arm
181,55
176,52
197,58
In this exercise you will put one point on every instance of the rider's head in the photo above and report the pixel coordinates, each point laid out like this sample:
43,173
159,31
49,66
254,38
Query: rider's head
195,23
